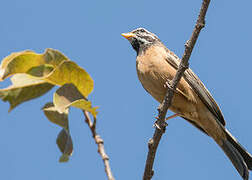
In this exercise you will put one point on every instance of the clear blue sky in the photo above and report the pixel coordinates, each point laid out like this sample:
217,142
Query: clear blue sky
88,32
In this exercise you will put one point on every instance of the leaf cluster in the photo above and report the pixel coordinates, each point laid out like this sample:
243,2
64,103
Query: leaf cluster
33,75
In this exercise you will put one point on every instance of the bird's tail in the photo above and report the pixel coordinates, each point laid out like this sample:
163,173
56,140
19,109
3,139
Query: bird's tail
241,159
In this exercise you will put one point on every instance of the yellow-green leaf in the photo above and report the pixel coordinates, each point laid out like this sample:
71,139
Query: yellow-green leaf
21,62
54,116
68,95
69,72
24,88
64,158
85,105
65,144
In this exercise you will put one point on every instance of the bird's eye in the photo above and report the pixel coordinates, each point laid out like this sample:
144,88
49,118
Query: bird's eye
142,30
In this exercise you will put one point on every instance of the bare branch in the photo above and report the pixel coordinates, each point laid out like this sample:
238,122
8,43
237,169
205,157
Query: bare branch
161,124
100,144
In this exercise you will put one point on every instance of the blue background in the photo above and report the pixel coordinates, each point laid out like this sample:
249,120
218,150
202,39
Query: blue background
88,32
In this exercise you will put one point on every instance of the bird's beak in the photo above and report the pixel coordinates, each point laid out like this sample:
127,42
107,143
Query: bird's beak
128,35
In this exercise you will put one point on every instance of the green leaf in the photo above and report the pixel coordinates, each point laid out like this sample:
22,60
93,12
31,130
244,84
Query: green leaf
40,71
85,105
69,72
68,95
24,88
64,140
55,117
21,62
64,158
65,144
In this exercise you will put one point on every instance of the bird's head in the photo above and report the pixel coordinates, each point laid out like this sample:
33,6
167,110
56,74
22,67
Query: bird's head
141,39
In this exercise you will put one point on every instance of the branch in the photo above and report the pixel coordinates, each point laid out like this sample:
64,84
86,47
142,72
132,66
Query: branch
100,144
162,109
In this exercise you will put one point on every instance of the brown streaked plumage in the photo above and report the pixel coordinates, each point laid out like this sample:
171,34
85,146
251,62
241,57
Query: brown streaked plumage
155,65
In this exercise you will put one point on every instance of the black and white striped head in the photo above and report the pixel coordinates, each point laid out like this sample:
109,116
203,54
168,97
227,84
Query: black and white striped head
141,39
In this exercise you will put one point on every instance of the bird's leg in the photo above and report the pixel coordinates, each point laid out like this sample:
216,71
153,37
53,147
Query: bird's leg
173,116
170,117
165,123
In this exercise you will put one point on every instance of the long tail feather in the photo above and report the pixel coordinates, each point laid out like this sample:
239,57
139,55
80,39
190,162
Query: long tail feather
244,153
236,158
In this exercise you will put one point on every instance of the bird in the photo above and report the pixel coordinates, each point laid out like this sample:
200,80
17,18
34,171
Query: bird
156,66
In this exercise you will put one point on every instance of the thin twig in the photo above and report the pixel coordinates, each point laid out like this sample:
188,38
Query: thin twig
100,144
162,109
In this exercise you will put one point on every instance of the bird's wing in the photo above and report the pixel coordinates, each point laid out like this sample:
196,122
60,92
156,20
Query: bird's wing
199,88
196,125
